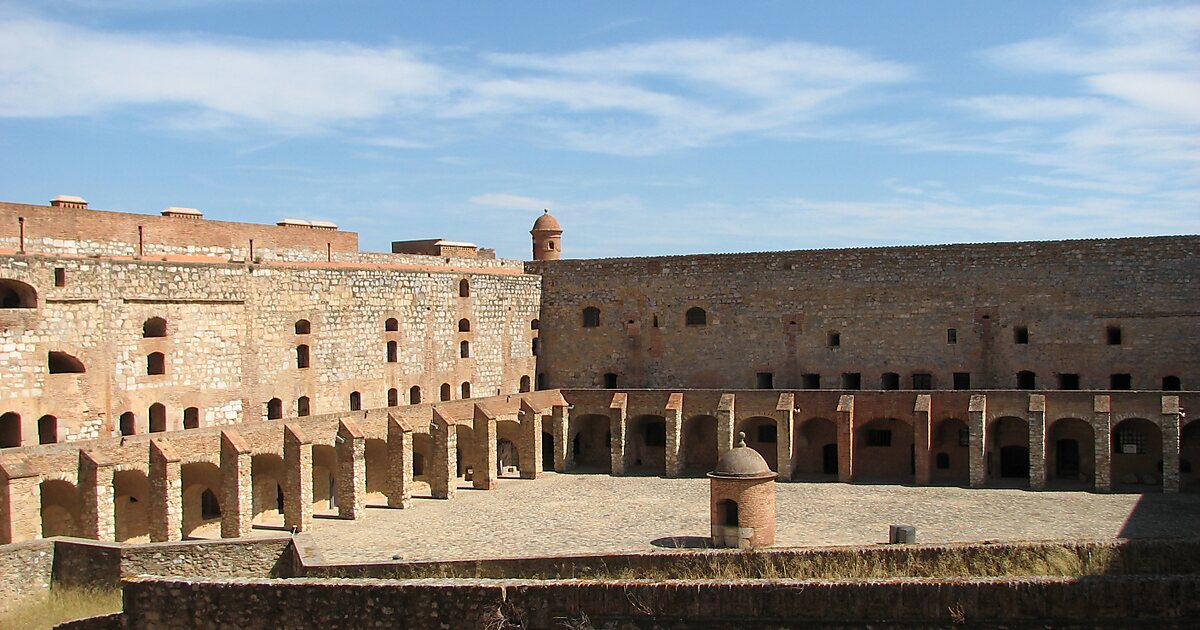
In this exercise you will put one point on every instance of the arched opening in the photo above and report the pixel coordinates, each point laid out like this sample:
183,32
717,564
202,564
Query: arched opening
191,418
63,363
422,451
376,454
267,474
10,430
201,482
699,444
591,317
303,327
646,444
1171,384
762,435
391,325
508,458
883,451
728,509
535,324
47,430
464,288
696,316
274,409
324,479
60,508
1137,454
158,418
809,452
465,390
464,349
950,444
156,363
590,438
524,387
414,395
302,406
154,327
393,397
465,435
1189,457
355,401
128,423
1008,449
131,490
464,325
302,356
547,451
445,391
1070,453
393,352
17,294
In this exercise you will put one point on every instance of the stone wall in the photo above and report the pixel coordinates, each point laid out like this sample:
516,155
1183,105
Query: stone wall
852,318
26,569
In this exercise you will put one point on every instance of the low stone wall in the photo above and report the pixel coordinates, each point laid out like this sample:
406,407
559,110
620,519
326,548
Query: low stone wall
86,563
256,603
25,570
241,557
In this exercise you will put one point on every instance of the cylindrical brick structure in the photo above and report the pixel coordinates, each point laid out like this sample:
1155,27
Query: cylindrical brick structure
742,499
547,237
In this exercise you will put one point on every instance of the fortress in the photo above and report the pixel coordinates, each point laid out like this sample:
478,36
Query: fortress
172,376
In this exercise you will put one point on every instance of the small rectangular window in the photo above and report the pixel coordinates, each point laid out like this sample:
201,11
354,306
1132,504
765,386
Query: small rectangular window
852,380
810,381
879,437
889,380
1068,381
1113,335
610,381
921,380
764,380
60,277
1120,381
1130,442
1020,335
962,380
951,336
835,340
767,433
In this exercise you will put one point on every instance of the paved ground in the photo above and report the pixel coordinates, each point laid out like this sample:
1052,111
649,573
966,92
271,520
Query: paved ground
582,513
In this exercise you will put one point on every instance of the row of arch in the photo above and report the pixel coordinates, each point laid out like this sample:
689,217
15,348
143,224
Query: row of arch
693,317
303,406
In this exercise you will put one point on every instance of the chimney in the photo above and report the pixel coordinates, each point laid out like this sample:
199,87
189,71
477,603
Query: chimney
69,201
184,213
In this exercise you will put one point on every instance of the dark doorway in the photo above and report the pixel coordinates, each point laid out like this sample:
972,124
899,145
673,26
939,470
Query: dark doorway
729,518
829,459
547,452
1014,461
1067,457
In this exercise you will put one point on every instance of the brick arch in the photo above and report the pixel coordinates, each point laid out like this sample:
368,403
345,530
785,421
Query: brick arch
1070,452
814,444
949,456
1006,437
324,479
131,492
1137,453
646,444
883,450
267,473
590,441
196,478
699,445
61,507
17,294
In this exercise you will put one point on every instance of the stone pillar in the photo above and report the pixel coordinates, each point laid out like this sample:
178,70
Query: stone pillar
165,511
443,463
351,447
531,441
977,452
483,475
237,489
1037,441
674,417
97,512
399,464
617,424
564,459
922,436
1170,434
1102,431
297,479
20,501
785,419
845,438
725,424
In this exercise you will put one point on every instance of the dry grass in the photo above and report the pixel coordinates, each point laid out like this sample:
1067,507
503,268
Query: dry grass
59,605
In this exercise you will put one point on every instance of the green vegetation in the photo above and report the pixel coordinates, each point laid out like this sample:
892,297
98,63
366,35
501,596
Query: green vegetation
58,605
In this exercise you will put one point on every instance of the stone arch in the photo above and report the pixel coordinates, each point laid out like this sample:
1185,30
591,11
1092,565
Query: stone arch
274,409
815,448
951,453
61,507
17,294
393,397
422,452
63,363
303,360
201,514
508,436
391,324
762,435
303,327
445,391
47,429
699,444
355,401
10,430
131,491
1189,457
267,474
883,451
128,423
465,435
696,316
414,395
154,327
464,288
464,390
324,479
303,406
393,351
158,418
464,325
535,324
1070,453
524,386
1007,457
156,364
590,441
1136,453
646,444
464,349
376,454
191,418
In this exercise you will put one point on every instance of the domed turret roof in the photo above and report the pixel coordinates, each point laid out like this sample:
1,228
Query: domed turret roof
741,462
546,222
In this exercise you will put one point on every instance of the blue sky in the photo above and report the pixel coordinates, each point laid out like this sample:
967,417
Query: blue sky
647,128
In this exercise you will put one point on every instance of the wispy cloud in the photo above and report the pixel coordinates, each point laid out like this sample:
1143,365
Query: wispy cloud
511,202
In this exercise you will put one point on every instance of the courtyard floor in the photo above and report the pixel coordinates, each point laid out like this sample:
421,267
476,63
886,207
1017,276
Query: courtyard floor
561,514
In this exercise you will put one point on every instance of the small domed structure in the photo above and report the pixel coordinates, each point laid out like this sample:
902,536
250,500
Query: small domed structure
547,237
742,499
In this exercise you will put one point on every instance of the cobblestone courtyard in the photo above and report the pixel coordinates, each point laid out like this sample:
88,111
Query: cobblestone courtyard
582,513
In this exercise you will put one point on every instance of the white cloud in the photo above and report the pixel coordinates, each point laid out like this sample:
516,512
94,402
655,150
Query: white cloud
511,202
